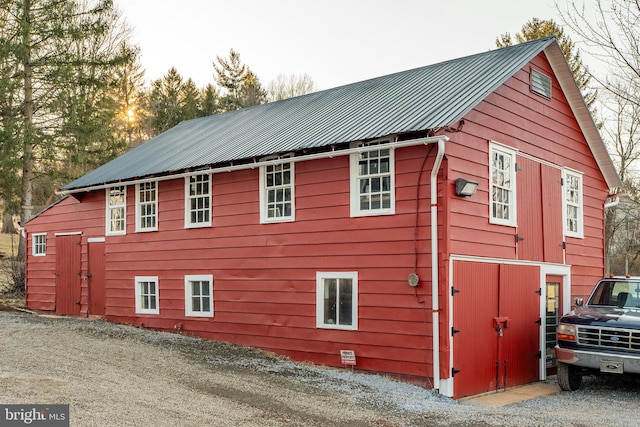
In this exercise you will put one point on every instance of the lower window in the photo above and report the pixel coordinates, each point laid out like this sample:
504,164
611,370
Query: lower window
337,300
147,295
198,295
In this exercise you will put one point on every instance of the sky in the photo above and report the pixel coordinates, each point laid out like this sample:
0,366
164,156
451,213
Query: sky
335,42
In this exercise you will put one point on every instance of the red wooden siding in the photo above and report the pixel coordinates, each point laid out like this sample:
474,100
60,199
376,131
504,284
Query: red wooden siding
264,274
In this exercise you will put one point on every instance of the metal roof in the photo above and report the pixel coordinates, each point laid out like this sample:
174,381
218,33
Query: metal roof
415,100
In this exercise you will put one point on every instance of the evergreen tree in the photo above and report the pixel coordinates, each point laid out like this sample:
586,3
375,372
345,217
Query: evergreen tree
165,101
62,54
129,92
209,100
189,100
251,91
242,87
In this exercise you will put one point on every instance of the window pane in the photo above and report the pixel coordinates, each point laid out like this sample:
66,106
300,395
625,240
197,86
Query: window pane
330,301
206,304
195,304
346,306
195,288
204,287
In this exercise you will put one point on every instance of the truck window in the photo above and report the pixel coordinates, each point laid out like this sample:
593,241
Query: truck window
620,294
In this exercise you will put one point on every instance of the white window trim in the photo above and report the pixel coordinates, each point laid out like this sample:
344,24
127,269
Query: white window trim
264,217
320,277
139,227
187,208
34,246
565,204
108,231
354,184
508,151
139,309
188,308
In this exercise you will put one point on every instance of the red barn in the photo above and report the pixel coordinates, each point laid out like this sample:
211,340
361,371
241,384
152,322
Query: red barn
435,222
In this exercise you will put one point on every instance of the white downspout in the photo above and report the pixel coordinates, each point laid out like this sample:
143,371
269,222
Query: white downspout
435,306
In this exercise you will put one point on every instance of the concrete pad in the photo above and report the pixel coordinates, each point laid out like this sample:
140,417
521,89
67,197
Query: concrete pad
513,395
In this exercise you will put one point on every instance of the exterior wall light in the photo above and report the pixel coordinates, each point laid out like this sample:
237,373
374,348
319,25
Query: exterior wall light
465,187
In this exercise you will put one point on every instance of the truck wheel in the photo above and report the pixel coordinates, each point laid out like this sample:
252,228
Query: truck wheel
569,378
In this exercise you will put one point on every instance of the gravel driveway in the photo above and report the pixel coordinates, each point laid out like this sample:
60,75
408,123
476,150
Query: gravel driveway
115,375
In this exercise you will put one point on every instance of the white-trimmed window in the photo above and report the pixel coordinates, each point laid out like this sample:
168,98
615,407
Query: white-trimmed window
116,210
337,300
573,204
197,194
373,181
147,295
502,168
277,200
39,244
147,206
198,295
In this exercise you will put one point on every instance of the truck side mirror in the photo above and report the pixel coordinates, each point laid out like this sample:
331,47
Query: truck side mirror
579,301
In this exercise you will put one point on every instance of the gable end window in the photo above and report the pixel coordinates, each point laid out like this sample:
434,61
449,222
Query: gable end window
540,84
39,244
277,200
146,206
337,300
198,295
197,196
502,172
573,204
147,295
116,210
372,181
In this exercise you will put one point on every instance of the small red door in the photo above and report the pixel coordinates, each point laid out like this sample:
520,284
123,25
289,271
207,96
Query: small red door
96,279
68,272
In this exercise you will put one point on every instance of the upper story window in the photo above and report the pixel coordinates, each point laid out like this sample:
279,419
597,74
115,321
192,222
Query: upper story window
502,168
116,210
573,204
147,295
198,295
277,201
146,206
337,300
197,197
373,181
39,244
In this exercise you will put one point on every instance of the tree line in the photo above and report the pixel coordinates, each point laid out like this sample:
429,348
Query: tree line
73,96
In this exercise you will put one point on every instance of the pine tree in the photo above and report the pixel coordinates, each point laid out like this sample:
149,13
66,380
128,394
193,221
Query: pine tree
209,101
242,87
189,101
62,52
165,102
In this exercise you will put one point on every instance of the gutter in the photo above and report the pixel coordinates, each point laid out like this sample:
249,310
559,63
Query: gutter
214,170
435,306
